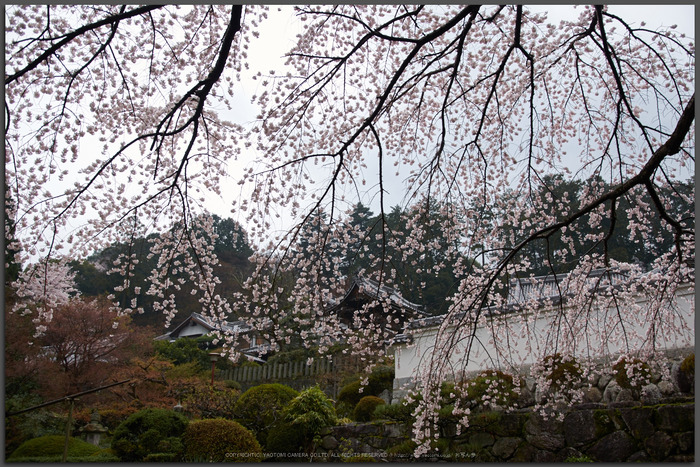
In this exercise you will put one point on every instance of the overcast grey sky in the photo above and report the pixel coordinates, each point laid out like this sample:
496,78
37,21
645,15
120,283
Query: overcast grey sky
268,50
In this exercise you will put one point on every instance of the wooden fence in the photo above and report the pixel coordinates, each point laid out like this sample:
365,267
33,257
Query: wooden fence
297,375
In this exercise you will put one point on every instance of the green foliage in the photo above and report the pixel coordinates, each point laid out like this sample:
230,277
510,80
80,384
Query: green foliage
147,432
219,440
686,375
230,245
445,413
563,195
688,365
562,372
111,418
260,407
640,373
285,438
448,391
291,356
310,412
185,351
428,287
580,459
492,388
53,445
348,397
365,408
231,384
34,424
211,403
400,412
381,378
405,448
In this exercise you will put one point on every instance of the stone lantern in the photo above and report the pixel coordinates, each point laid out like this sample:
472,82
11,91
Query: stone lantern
93,430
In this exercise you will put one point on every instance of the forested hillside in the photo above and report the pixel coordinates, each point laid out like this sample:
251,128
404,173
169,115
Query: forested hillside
95,276
426,276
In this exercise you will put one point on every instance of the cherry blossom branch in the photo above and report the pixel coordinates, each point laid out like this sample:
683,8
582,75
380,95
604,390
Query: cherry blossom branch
67,38
643,177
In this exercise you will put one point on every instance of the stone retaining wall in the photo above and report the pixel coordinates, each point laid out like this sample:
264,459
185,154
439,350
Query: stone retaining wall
614,432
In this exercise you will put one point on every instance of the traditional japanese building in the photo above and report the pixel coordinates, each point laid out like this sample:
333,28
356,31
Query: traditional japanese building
368,300
197,325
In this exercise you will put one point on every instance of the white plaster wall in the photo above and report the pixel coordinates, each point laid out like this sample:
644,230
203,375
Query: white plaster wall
526,347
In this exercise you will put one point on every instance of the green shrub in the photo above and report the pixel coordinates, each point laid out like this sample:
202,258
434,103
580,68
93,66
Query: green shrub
111,418
285,438
400,412
381,379
231,384
446,415
147,432
219,440
32,424
492,388
288,356
562,372
365,408
53,445
448,392
260,407
310,412
203,401
348,397
688,365
641,374
686,375
185,351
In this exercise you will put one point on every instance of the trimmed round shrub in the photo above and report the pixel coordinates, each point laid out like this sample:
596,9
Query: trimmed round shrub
631,373
348,397
365,408
149,431
52,445
260,407
220,440
381,379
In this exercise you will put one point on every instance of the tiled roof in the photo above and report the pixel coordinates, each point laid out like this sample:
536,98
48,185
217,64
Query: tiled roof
378,292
